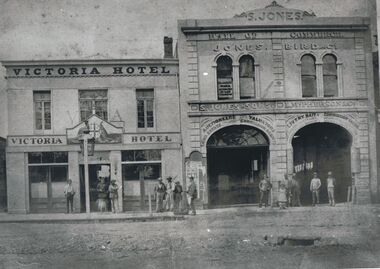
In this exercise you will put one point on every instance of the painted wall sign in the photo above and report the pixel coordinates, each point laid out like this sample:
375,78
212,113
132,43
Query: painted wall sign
89,71
316,35
151,138
308,46
275,12
209,126
278,105
36,140
103,131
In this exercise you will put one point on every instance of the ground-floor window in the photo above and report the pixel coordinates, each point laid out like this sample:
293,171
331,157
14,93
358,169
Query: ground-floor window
48,173
140,170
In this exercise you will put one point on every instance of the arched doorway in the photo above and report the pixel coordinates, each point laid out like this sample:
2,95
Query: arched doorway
322,147
237,158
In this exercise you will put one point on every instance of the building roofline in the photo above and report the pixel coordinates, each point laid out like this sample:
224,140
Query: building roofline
62,62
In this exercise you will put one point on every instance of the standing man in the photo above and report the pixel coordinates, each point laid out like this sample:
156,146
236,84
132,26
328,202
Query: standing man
169,194
331,182
315,184
113,190
193,194
160,190
264,186
177,196
69,193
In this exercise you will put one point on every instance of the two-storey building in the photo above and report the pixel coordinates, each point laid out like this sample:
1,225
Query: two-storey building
274,91
131,108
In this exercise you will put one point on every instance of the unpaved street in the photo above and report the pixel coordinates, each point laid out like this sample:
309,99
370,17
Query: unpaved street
239,238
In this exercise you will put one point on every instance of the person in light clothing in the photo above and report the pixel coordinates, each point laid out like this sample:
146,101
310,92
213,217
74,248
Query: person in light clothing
69,194
331,182
315,184
113,190
282,199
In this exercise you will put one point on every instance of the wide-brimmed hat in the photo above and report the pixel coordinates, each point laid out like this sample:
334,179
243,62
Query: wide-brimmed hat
159,179
169,178
177,182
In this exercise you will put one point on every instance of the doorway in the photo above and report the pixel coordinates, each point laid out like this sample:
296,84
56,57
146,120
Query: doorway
322,147
237,159
93,171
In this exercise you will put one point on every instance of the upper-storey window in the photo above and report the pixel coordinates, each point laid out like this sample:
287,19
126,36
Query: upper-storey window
145,108
330,77
93,102
247,77
308,76
42,110
224,77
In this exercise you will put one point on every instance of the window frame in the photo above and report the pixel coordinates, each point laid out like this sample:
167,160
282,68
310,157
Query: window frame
43,103
336,75
231,77
145,99
93,100
254,78
315,90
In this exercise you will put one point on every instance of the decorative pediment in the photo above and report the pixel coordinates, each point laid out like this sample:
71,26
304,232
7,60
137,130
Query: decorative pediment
275,12
103,131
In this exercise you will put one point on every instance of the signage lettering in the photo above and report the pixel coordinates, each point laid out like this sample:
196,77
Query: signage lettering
308,46
221,36
273,15
305,35
87,71
27,141
150,138
240,47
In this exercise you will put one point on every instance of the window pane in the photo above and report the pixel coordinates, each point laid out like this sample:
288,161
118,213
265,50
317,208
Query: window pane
309,86
140,114
34,157
224,77
149,113
38,174
144,93
308,74
48,157
330,79
47,115
246,67
141,155
38,115
60,157
58,173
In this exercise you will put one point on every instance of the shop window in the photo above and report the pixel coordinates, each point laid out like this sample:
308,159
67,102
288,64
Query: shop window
48,173
247,77
330,77
140,170
308,76
93,102
42,110
224,77
47,157
145,108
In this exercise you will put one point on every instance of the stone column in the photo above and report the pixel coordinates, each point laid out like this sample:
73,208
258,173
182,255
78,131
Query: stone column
235,81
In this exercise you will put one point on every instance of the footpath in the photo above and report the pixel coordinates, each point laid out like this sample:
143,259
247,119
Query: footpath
321,212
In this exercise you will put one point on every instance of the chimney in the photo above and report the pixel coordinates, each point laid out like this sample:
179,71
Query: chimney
168,47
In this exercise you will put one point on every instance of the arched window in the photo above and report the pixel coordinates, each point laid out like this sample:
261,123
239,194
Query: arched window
224,77
247,77
308,76
330,77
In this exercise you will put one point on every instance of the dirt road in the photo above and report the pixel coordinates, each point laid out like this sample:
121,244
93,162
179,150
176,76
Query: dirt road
242,238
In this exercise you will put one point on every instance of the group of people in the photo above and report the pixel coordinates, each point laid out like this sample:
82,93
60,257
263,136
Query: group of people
289,190
172,197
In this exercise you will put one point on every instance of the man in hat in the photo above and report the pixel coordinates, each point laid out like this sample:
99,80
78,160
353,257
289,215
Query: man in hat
69,194
114,196
193,194
159,190
169,194
315,184
330,188
264,186
177,196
